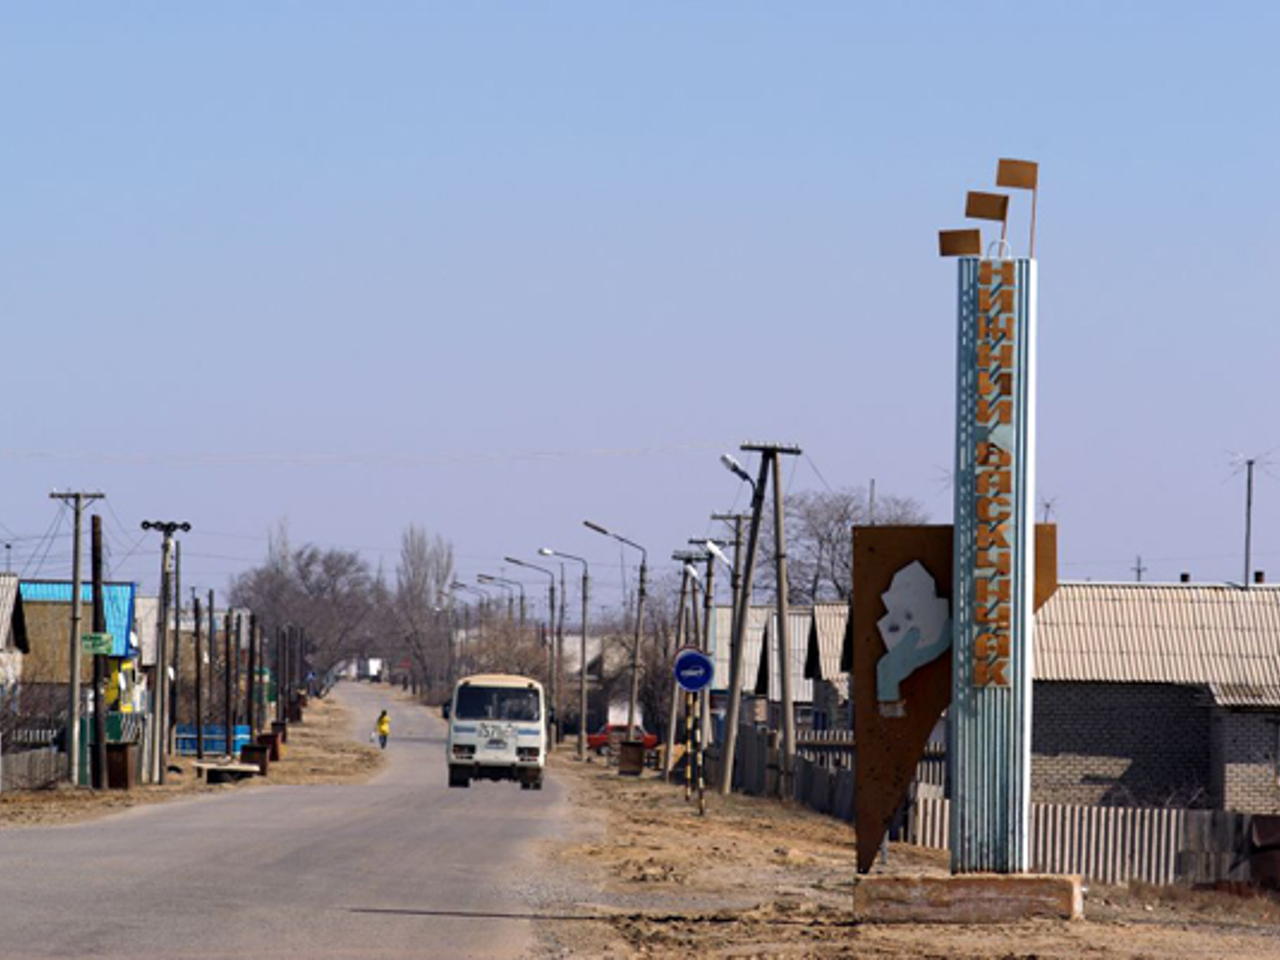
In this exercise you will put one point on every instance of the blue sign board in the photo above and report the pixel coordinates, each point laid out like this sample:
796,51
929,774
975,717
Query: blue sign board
694,670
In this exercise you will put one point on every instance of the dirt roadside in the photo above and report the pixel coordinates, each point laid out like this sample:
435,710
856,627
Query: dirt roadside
320,750
755,878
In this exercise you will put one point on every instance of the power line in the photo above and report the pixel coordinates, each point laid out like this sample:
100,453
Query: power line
818,473
55,526
334,459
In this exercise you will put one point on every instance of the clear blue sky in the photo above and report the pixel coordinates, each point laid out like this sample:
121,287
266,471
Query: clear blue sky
350,264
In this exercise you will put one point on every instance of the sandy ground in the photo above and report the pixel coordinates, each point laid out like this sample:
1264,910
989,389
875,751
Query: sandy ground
320,750
755,878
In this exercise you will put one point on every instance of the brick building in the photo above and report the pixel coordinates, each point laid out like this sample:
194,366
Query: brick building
1158,695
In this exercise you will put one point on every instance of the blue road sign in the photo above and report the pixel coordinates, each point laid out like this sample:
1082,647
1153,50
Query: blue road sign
694,669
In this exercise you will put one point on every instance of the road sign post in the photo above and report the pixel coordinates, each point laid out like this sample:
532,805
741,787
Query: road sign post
694,671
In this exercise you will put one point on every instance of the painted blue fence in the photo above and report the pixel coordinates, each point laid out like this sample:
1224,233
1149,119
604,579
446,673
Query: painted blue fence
215,738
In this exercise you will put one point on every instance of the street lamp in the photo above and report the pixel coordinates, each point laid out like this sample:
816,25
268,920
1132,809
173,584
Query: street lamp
742,604
555,654
507,592
506,584
635,646
459,585
715,551
733,466
582,665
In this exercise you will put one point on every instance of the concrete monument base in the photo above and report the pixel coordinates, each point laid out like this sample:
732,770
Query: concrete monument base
968,898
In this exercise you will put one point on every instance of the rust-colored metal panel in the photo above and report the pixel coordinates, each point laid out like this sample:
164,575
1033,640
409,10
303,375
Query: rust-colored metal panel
986,206
1019,174
889,747
959,243
1046,562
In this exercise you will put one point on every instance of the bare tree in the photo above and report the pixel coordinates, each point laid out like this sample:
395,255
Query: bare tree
504,648
331,594
420,602
657,655
820,540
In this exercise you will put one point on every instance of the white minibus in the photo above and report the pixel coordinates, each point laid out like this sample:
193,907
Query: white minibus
497,730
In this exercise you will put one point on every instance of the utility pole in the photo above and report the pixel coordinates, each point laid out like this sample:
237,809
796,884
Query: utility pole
196,613
582,668
772,453
1138,568
560,677
99,763
250,684
550,638
635,646
177,647
742,605
633,702
228,703
279,662
582,665
300,661
239,647
235,674
708,607
735,573
160,695
73,714
213,652
674,711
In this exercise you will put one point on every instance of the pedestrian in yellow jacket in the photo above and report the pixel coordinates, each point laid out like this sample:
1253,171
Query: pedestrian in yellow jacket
383,729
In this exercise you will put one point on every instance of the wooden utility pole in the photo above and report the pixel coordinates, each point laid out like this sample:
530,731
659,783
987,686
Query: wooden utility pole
235,669
735,579
177,647
213,652
160,695
560,674
772,453
275,668
228,704
235,716
73,712
196,613
668,756
704,639
99,763
250,685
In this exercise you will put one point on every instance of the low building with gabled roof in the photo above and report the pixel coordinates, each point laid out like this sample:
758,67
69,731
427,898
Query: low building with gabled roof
1158,695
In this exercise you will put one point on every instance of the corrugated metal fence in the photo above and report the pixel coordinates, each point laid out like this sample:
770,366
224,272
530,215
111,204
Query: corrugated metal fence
1115,844
1102,844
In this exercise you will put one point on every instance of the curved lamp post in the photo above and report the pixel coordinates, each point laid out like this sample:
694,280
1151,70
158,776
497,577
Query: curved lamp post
555,654
582,665
740,617
635,645
495,582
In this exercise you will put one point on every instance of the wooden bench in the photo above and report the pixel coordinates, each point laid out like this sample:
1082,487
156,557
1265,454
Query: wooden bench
225,772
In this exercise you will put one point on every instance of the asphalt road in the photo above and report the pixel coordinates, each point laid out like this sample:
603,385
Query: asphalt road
399,867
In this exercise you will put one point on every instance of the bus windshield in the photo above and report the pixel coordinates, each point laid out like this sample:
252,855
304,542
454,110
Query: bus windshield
497,703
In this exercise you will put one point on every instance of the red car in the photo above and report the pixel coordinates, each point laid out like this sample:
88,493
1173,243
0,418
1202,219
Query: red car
599,741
